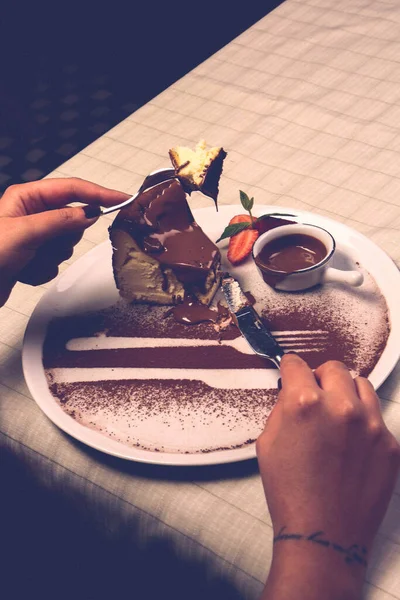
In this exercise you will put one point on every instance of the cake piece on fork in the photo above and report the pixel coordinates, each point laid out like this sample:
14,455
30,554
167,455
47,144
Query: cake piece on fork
199,169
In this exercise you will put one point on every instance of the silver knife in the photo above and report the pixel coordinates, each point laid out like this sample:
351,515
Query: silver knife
249,323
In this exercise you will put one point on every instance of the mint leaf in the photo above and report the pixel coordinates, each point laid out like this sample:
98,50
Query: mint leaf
247,202
233,230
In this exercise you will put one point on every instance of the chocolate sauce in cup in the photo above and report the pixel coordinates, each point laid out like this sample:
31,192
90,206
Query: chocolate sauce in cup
296,257
292,252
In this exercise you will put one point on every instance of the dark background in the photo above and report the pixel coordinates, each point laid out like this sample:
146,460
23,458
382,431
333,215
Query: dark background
70,70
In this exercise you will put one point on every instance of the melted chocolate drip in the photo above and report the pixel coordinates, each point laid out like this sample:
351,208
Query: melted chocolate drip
211,180
161,222
191,312
250,298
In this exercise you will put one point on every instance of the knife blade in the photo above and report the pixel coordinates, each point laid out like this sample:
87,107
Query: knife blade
249,323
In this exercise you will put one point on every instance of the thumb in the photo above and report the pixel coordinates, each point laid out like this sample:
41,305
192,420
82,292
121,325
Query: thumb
34,230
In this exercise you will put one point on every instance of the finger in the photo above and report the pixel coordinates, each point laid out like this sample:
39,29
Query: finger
35,230
60,246
61,253
69,239
369,398
48,258
296,375
334,376
38,274
39,196
38,269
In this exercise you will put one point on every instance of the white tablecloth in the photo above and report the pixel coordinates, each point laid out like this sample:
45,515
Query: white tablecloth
307,104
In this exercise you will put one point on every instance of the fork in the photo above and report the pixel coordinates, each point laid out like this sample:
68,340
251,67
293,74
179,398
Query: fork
151,180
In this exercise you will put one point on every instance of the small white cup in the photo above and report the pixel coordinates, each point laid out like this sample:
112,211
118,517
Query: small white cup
310,276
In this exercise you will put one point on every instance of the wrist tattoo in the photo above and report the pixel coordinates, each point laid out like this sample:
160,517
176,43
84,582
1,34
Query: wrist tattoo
355,553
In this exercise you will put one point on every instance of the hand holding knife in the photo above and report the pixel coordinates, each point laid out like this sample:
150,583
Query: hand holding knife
249,323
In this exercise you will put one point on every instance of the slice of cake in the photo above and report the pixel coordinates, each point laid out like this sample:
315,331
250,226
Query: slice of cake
160,254
199,169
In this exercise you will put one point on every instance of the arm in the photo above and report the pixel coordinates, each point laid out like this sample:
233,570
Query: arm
302,570
38,231
329,466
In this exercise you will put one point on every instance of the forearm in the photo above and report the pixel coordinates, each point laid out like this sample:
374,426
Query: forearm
303,571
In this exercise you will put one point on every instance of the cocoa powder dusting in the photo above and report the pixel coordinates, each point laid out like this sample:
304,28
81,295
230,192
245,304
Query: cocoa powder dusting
109,402
224,402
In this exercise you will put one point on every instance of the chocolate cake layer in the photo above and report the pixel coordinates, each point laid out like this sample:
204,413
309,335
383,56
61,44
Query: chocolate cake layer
162,225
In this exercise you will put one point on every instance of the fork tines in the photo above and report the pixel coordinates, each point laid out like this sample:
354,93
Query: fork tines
302,341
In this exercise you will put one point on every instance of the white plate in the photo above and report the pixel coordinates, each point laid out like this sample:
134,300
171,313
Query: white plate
89,285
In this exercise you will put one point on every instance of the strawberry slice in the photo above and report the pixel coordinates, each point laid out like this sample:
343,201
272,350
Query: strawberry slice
241,244
240,219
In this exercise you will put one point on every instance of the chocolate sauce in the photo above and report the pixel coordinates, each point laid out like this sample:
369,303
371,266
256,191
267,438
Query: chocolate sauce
291,253
211,180
161,223
250,298
192,312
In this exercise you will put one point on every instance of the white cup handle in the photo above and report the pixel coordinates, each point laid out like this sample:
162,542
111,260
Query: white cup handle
331,275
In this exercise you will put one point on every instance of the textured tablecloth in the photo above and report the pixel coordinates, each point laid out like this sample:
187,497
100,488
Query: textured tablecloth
307,104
